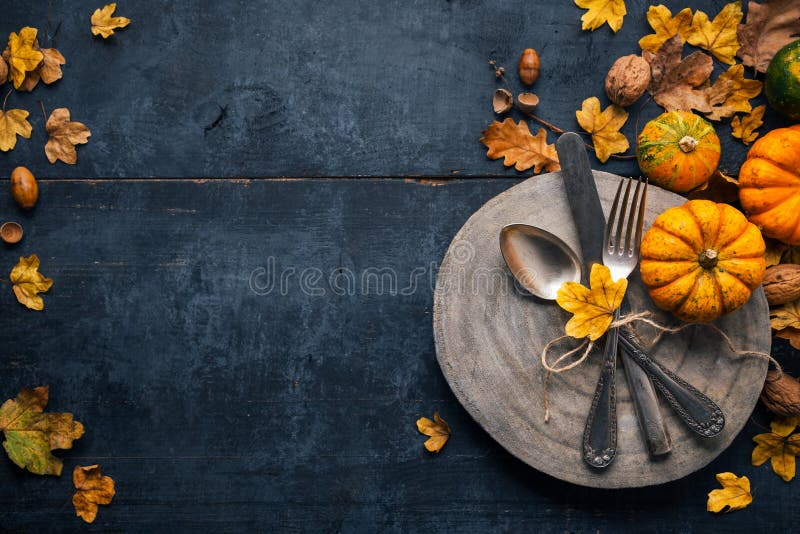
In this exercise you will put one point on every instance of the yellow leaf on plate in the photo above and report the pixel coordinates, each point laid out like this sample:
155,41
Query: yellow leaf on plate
438,430
22,57
665,26
515,143
28,282
604,127
717,36
743,126
92,489
780,446
601,12
64,135
104,24
593,308
13,122
734,495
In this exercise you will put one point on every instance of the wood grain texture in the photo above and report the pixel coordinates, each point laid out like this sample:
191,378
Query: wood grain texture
489,337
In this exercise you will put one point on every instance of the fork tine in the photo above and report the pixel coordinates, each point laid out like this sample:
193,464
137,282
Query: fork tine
632,219
609,237
621,220
640,219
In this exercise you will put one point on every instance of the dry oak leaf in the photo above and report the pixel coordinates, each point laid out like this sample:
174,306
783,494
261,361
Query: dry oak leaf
719,188
92,489
717,36
13,122
438,430
31,434
601,12
104,24
665,26
679,84
731,93
519,148
744,126
593,308
734,495
770,26
28,282
780,446
64,135
604,127
22,57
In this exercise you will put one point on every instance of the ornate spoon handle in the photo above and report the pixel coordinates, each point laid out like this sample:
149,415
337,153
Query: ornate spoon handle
700,413
600,434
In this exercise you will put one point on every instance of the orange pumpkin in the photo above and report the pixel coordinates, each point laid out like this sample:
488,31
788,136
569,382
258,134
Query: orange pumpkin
769,184
678,150
702,260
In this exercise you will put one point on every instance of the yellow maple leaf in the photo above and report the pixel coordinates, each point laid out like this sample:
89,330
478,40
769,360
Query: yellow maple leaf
64,135
22,57
743,126
438,430
593,308
13,122
104,24
92,489
780,446
717,36
786,316
28,282
665,26
604,127
734,495
731,93
601,12
518,147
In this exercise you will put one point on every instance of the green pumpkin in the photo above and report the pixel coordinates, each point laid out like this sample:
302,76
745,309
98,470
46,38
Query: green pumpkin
782,84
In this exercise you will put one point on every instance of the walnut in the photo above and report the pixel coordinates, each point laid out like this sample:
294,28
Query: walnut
782,284
781,396
627,80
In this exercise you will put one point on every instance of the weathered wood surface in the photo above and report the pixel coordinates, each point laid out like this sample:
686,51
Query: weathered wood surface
316,88
218,409
490,335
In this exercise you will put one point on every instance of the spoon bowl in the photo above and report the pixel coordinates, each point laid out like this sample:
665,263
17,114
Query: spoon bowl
539,260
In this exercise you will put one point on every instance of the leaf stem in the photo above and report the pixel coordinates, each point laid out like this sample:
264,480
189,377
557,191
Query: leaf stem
44,113
6,98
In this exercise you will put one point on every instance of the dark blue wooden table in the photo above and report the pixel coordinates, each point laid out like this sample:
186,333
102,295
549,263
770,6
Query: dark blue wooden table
201,325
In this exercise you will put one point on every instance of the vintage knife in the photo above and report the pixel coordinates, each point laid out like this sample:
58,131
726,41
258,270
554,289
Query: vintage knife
587,213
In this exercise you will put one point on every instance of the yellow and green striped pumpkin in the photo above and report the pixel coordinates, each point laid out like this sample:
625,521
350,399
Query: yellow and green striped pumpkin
678,150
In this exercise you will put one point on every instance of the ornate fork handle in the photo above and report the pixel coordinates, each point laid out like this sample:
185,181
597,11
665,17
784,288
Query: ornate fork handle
700,413
600,434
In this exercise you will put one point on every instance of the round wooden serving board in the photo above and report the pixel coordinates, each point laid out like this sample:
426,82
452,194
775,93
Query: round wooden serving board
490,334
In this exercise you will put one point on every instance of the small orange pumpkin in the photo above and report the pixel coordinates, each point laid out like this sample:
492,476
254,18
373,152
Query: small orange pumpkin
702,260
678,150
769,184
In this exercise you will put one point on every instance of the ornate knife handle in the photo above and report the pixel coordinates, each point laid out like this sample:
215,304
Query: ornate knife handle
700,413
600,434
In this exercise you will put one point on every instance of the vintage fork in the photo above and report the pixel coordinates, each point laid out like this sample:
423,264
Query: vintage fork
623,235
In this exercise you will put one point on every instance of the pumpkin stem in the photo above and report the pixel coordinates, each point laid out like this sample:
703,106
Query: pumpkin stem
687,143
708,259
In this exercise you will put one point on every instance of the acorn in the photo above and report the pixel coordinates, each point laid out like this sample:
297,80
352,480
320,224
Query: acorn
529,66
11,232
24,189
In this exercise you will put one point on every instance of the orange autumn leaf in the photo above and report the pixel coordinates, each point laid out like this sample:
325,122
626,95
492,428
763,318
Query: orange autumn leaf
604,126
734,495
438,430
48,71
27,282
64,135
717,36
518,147
30,434
13,122
731,93
92,489
600,12
780,447
665,26
679,83
593,307
104,24
22,57
744,126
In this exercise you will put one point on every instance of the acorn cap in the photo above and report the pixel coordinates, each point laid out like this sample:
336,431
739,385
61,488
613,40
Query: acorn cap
11,232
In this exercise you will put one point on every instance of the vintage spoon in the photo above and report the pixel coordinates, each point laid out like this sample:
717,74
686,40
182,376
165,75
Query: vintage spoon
540,261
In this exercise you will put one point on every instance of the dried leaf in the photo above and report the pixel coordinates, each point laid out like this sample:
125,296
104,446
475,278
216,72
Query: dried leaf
770,25
780,446
791,334
679,84
601,12
734,495
31,434
719,188
604,127
731,93
22,57
593,308
3,70
665,26
774,252
64,135
438,430
743,126
13,122
515,143
786,316
104,24
717,36
791,255
28,282
92,489
50,69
